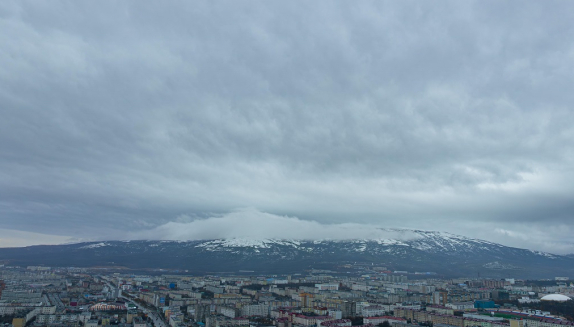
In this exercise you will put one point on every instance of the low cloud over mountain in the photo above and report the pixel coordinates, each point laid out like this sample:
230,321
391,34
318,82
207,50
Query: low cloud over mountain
250,223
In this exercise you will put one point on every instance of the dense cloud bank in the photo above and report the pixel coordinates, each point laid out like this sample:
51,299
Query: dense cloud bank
117,118
252,224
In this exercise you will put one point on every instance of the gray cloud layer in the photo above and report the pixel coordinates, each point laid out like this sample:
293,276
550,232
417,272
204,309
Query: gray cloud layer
252,224
120,117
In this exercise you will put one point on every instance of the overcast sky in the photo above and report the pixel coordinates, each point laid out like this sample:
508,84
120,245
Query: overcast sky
206,119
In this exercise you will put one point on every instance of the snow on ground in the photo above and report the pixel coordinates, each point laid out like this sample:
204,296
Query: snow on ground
93,246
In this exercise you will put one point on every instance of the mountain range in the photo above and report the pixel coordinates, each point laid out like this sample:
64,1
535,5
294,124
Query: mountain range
424,252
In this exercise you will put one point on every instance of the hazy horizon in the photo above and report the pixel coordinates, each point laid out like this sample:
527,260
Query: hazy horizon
250,224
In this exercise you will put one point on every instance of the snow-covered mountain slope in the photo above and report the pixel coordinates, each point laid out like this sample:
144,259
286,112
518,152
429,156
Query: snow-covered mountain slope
425,241
411,250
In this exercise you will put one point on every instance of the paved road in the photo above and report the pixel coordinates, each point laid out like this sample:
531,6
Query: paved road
157,320
55,300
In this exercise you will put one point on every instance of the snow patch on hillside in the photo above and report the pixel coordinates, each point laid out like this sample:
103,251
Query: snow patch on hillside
390,242
545,254
247,242
96,245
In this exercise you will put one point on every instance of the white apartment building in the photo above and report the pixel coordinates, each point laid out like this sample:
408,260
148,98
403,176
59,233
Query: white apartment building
327,287
461,306
255,310
228,312
373,311
379,320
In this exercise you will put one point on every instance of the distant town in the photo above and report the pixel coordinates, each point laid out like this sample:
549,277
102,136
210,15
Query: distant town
67,296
